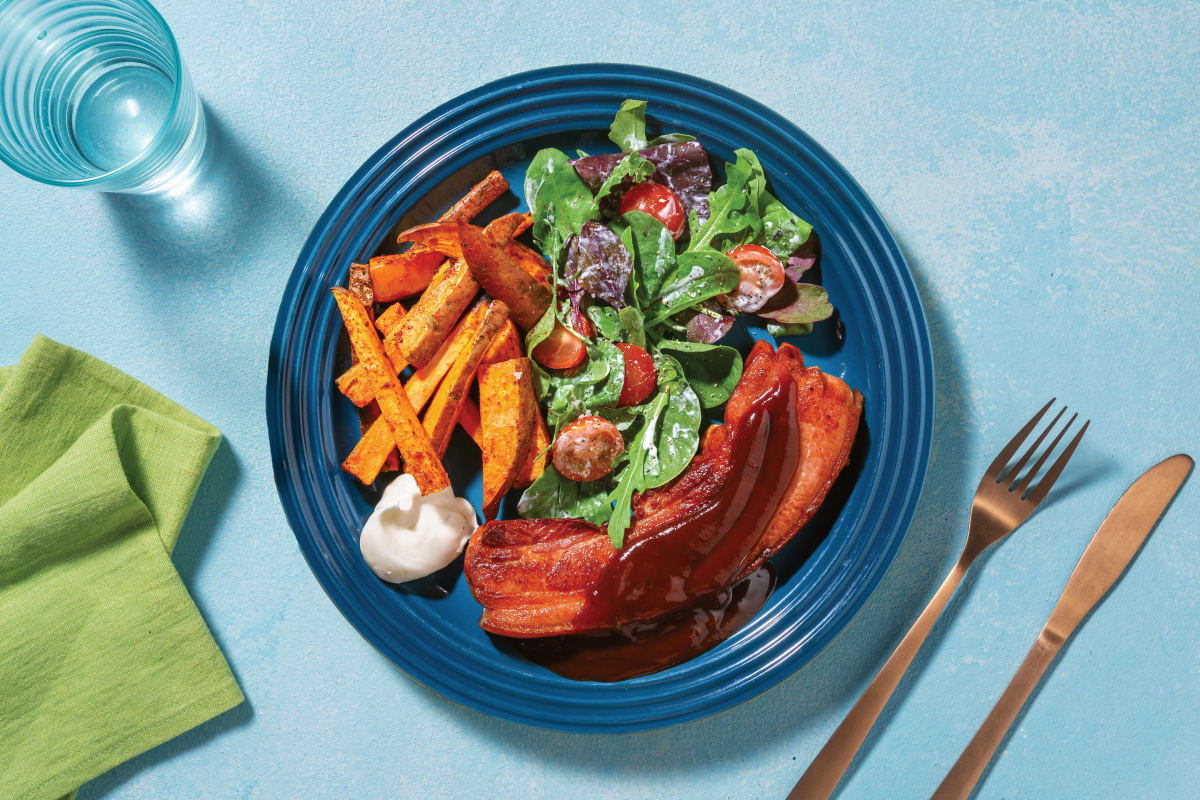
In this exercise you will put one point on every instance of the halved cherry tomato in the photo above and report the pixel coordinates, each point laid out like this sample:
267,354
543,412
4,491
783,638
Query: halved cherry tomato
562,349
659,202
640,375
586,449
762,276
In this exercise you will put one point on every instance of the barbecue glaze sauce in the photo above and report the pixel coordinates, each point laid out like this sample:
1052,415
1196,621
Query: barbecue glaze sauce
678,585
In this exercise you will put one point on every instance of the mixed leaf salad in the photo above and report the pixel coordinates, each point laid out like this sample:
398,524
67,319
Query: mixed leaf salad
652,264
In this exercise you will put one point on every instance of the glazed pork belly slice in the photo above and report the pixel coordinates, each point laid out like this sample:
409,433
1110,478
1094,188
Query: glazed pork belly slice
550,577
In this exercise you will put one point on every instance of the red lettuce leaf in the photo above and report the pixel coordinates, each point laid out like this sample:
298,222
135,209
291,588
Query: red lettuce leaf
805,257
706,328
797,303
599,264
681,166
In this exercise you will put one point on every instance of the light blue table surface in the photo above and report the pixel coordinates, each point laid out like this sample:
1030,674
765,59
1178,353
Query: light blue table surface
1039,166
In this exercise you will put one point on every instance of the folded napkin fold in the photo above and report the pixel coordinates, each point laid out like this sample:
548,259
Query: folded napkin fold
103,654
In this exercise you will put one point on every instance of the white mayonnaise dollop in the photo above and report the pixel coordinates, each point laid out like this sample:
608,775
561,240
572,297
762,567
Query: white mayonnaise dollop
410,535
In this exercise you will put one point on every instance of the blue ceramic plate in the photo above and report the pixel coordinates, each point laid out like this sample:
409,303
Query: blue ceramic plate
881,347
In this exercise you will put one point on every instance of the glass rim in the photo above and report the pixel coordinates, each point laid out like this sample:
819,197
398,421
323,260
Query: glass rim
128,166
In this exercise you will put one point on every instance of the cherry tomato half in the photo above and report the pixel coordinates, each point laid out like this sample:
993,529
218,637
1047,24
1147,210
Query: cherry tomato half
562,349
586,449
659,202
762,276
640,375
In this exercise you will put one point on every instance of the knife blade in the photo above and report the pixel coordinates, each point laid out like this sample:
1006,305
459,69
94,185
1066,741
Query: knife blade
1116,542
1106,557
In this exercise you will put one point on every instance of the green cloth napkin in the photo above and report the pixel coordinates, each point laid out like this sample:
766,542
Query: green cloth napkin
103,654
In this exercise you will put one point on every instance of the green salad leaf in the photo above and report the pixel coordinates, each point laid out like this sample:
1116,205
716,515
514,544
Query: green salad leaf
631,169
782,231
553,496
633,475
712,370
777,329
634,322
538,333
733,208
628,129
607,321
698,275
597,384
558,199
653,252
670,449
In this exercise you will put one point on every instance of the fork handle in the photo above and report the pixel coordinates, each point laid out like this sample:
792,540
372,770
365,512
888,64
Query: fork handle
961,780
827,769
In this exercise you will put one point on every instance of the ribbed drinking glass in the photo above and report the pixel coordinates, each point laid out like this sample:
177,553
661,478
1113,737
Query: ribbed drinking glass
93,93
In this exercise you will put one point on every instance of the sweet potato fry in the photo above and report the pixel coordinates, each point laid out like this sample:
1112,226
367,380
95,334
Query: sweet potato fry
496,269
420,458
479,197
442,413
506,407
501,229
525,225
370,455
355,383
468,418
359,284
405,274
398,275
429,322
390,318
505,346
424,381
530,260
535,459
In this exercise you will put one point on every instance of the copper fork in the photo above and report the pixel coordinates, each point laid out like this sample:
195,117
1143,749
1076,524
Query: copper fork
1005,498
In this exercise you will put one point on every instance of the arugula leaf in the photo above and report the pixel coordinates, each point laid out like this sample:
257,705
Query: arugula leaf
558,199
782,231
633,476
653,252
628,129
733,208
711,370
629,170
672,138
541,329
553,496
698,276
670,450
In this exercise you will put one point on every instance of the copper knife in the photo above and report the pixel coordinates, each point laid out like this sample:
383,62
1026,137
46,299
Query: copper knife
1102,563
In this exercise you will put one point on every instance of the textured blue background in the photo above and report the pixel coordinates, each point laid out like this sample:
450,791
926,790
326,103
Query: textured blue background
1037,164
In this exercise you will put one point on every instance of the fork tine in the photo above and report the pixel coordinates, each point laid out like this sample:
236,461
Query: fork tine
1042,460
1012,474
1043,487
1010,448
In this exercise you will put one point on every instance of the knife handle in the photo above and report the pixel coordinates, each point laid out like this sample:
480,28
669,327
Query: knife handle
963,776
827,769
